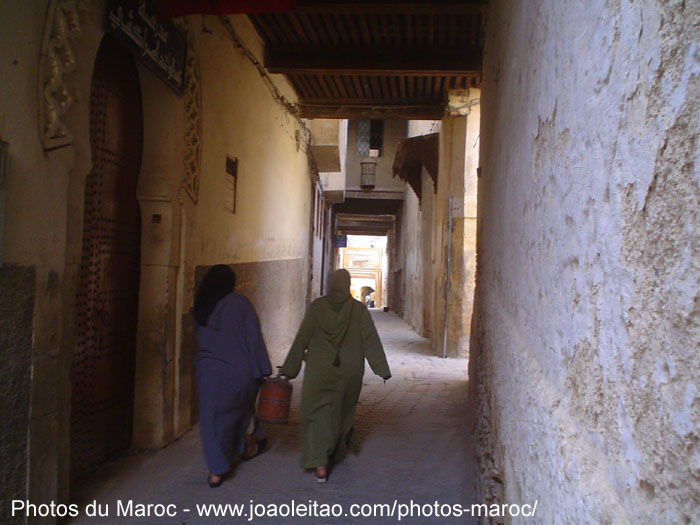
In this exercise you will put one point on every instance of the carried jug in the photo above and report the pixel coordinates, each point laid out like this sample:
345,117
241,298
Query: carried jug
274,399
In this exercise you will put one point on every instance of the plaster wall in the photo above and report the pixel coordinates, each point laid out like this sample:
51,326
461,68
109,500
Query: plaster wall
333,182
36,242
336,134
43,228
273,203
324,131
429,236
261,283
456,188
394,130
587,323
415,258
423,127
410,262
318,235
240,119
162,376
439,224
317,268
416,233
458,162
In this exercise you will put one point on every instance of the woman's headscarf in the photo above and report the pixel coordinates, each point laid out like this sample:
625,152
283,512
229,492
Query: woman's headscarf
339,288
335,318
218,282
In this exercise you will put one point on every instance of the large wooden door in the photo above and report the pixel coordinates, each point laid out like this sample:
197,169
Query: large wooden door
107,296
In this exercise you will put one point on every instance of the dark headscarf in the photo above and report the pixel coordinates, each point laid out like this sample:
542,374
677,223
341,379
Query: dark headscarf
335,318
218,282
339,288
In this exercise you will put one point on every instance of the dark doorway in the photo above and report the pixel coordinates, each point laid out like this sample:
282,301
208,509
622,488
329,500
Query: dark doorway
108,283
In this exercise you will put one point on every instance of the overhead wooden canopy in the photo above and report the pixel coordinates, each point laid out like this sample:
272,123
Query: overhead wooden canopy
375,59
169,8
412,155
356,224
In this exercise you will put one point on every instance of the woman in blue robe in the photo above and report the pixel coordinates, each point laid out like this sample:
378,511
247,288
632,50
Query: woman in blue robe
231,363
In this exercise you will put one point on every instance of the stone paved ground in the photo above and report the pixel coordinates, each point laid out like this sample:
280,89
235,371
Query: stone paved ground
414,446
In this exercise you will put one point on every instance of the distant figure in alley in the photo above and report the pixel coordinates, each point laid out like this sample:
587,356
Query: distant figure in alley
231,363
335,337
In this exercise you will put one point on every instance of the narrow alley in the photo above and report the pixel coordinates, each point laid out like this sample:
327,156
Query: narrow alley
414,447
512,187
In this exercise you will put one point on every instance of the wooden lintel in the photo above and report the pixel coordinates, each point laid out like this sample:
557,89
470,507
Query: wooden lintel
453,8
362,194
421,102
335,111
432,62
382,72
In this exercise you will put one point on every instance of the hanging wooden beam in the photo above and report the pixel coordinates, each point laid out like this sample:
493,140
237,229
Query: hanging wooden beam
420,62
390,7
412,155
377,102
364,111
172,8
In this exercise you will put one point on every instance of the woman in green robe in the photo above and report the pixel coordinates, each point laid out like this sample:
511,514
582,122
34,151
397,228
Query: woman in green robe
335,337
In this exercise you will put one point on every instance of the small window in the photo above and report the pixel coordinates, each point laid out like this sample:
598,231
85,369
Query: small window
376,137
230,187
370,137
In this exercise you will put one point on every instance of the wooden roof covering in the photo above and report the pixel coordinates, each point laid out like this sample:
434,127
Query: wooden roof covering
375,59
363,224
414,153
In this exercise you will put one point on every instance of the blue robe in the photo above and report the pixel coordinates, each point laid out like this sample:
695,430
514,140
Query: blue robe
231,360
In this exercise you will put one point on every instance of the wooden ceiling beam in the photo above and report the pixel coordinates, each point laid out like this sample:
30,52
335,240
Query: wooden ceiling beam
368,101
452,8
262,26
309,27
365,111
420,62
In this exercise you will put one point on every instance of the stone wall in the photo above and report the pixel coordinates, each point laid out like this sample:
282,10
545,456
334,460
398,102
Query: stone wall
17,288
584,348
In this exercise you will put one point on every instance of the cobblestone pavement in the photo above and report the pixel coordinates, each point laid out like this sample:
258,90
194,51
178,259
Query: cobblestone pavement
414,448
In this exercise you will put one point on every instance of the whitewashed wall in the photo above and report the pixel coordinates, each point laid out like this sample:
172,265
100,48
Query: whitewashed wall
586,338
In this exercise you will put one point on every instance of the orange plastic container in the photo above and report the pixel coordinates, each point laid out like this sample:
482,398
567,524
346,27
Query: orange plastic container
273,400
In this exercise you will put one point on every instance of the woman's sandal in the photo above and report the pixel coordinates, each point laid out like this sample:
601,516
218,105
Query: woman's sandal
321,474
262,445
213,483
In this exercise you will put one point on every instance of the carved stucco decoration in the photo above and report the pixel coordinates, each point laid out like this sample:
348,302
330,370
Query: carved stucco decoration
193,119
61,31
